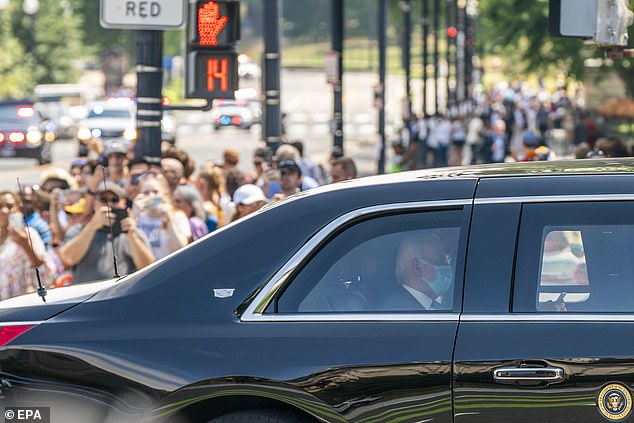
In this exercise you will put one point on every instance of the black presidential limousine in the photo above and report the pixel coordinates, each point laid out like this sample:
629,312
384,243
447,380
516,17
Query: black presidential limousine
499,293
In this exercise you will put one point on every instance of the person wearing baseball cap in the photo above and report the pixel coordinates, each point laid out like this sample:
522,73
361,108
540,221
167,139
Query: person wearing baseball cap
533,151
248,199
115,155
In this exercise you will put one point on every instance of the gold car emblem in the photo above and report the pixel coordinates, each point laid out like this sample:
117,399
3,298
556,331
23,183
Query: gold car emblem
615,402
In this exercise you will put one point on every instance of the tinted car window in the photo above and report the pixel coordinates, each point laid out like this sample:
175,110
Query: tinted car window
576,258
356,271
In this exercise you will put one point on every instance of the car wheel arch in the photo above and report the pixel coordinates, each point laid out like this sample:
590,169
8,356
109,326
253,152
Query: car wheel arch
217,407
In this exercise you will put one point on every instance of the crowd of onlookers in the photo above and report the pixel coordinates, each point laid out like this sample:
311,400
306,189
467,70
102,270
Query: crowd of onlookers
76,221
116,213
505,126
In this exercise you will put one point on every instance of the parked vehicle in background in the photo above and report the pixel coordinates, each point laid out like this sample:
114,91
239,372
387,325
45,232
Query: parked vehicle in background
24,132
60,120
499,293
70,94
106,120
230,113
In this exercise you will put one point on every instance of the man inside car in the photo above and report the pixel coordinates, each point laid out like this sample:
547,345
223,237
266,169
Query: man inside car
423,274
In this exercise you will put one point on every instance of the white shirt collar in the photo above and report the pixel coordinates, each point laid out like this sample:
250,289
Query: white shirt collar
423,299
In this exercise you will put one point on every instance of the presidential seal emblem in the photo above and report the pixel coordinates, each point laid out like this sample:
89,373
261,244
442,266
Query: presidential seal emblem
615,402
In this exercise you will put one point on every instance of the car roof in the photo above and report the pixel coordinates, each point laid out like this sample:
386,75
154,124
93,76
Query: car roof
511,173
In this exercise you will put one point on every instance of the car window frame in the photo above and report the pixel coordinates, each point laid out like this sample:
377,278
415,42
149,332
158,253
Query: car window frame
529,251
256,310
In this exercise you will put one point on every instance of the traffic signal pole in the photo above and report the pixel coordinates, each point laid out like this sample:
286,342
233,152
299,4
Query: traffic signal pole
149,68
272,106
425,22
337,86
436,31
406,6
382,29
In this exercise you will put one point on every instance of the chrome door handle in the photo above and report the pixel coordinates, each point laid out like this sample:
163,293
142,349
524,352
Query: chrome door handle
527,374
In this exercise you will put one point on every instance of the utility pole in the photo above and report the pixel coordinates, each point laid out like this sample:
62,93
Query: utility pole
448,55
382,30
337,83
436,35
425,22
406,7
461,19
149,97
272,106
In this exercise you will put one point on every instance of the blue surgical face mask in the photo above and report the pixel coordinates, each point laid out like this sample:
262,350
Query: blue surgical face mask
443,280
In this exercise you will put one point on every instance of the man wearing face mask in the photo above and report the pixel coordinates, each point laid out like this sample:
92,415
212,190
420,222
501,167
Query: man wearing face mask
424,275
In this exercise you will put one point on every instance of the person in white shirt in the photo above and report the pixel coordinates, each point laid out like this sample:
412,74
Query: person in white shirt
474,139
438,140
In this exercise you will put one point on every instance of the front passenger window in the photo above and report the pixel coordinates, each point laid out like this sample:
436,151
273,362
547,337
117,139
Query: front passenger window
363,268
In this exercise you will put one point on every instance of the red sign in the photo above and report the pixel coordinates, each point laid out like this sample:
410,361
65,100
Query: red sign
210,23
214,24
212,33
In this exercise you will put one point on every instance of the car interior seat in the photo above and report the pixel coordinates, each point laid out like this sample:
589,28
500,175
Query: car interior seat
347,293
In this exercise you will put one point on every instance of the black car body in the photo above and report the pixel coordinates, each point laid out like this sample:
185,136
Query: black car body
282,315
24,131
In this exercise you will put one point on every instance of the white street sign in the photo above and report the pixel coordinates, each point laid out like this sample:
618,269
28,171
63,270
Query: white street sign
143,14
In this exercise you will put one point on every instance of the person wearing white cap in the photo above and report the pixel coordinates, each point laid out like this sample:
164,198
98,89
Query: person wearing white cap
248,199
115,155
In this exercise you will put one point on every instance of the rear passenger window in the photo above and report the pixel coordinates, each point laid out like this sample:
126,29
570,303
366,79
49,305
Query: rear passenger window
563,266
575,258
370,265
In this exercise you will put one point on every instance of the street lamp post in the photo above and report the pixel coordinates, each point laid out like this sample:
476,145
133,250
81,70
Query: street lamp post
31,7
382,33
406,8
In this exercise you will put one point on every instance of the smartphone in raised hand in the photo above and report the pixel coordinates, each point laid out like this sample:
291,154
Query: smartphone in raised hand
117,215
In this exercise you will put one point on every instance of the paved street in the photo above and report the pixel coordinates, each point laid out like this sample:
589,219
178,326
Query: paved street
307,100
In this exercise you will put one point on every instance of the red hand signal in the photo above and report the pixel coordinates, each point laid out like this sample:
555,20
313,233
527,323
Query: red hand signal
210,23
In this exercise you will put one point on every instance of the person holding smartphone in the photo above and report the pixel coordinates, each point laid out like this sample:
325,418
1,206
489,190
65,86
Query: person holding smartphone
165,226
112,227
21,251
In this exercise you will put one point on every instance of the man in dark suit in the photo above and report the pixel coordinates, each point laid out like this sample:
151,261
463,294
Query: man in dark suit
423,274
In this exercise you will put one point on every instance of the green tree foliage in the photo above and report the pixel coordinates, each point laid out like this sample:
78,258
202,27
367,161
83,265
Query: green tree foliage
41,48
57,42
518,30
15,72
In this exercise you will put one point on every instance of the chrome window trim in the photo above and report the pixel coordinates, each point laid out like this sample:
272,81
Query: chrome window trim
24,323
547,317
554,198
255,310
358,317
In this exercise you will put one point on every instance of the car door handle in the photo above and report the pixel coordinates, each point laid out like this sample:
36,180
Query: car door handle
528,374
